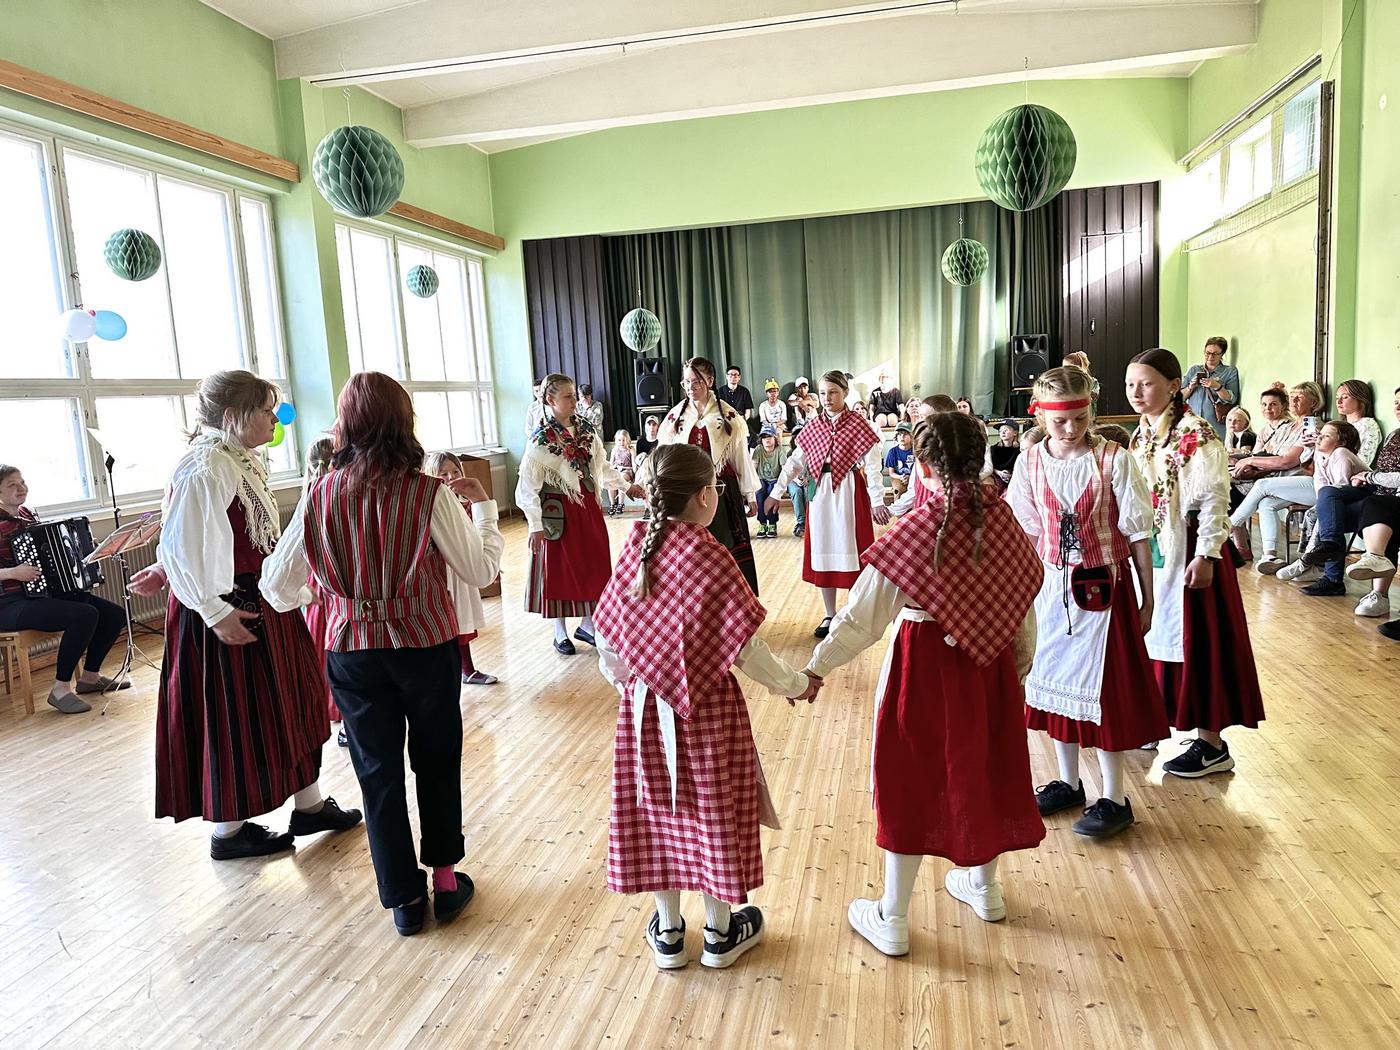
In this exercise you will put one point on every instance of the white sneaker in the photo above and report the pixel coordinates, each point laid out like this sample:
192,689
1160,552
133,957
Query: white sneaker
890,936
1369,566
1270,564
1297,572
1374,604
987,902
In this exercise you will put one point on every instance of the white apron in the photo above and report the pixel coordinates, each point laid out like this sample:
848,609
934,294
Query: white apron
1067,675
831,524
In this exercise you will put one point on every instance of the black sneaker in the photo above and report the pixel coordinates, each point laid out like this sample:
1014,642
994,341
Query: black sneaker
1200,760
408,918
1324,588
330,817
667,946
745,931
1391,630
251,840
1321,553
450,903
1058,795
1104,818
798,530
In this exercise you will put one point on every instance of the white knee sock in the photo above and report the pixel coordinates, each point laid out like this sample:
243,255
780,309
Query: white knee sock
1111,769
901,869
1067,755
561,629
984,875
829,600
587,624
226,828
308,799
716,914
668,909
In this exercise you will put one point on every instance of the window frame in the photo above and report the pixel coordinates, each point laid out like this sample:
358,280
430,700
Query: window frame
80,385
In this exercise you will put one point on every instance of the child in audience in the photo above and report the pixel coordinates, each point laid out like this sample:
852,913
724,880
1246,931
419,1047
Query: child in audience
1084,503
466,599
1006,451
1239,439
951,768
644,445
688,792
623,461
768,460
318,465
899,460
800,490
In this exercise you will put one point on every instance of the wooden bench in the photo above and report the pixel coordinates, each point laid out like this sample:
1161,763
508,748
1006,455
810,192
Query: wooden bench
14,653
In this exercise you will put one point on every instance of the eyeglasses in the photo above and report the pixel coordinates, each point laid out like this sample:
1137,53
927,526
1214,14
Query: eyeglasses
718,486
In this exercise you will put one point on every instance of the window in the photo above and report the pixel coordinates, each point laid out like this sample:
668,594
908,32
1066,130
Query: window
436,346
212,305
1249,167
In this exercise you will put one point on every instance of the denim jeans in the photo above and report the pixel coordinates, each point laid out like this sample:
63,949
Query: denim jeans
798,493
1338,513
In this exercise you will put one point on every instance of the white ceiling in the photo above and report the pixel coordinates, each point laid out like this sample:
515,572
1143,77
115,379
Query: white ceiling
503,73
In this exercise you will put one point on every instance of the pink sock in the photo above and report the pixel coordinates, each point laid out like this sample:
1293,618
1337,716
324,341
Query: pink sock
444,879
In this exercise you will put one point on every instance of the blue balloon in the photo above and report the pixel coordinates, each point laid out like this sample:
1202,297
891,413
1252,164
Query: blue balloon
285,414
110,325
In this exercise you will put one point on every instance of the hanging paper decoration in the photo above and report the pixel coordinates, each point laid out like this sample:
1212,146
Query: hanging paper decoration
279,432
358,170
965,261
78,326
640,330
109,325
1025,157
286,414
422,281
132,255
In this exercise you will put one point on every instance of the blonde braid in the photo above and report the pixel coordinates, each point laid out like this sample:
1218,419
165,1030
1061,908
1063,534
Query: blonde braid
656,504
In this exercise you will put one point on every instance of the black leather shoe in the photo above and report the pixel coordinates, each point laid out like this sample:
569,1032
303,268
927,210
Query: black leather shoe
1391,630
330,817
564,647
823,628
408,918
585,637
1322,553
1324,588
450,904
1058,795
252,840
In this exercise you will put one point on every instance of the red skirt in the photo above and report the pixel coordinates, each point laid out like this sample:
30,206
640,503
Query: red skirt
574,569
865,536
1217,685
316,627
239,728
1130,700
952,771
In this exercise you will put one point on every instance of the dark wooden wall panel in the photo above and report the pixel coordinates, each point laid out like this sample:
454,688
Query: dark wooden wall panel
565,287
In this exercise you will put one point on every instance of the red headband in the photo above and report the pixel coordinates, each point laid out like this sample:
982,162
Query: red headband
1058,406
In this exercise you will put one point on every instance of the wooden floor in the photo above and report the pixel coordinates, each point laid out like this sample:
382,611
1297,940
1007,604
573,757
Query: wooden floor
1258,909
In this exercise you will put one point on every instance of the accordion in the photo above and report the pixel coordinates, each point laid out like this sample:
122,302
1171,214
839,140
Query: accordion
57,549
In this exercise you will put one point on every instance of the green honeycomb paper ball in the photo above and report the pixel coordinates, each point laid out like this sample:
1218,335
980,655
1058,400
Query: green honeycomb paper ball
640,330
964,262
1025,157
422,281
132,255
358,171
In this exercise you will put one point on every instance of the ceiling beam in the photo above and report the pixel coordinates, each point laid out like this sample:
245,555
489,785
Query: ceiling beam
826,63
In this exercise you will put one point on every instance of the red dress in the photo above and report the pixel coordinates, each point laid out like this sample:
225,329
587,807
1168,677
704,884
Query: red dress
679,644
834,450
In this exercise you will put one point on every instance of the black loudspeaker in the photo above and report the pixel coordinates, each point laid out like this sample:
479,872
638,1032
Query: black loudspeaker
1030,355
653,382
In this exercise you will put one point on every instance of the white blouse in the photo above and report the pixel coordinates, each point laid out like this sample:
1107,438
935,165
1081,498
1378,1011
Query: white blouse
726,450
196,539
538,467
1203,485
471,547
871,465
1068,478
755,659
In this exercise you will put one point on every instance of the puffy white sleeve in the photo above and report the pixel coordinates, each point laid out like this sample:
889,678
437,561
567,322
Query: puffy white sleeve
527,489
1022,501
471,547
872,466
793,469
196,541
769,670
1212,462
613,666
740,459
604,473
870,608
286,572
1134,498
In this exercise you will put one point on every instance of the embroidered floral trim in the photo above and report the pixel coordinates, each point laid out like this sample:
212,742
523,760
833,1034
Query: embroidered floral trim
1164,487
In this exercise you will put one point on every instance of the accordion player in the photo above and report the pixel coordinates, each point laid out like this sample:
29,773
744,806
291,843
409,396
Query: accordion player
57,549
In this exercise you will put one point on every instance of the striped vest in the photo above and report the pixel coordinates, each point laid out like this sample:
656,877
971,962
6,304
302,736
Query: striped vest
383,583
1095,512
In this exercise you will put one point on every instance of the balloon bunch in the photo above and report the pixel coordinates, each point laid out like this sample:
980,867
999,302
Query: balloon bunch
79,326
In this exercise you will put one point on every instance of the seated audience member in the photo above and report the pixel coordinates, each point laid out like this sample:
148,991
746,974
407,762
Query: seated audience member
885,403
1034,436
1278,452
964,405
1212,388
768,460
589,409
772,412
1080,360
801,490
1368,502
899,461
735,394
1356,404
1006,451
624,461
1334,463
1239,439
911,410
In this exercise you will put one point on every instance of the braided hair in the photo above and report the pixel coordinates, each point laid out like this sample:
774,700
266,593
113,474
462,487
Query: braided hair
318,462
705,369
954,446
678,472
1164,363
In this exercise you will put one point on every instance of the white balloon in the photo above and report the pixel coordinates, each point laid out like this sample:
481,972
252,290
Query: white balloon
78,326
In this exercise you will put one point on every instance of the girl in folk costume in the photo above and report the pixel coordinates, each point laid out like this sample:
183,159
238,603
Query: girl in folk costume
318,465
704,420
688,792
1084,502
466,599
378,538
951,771
561,472
242,711
1199,639
841,444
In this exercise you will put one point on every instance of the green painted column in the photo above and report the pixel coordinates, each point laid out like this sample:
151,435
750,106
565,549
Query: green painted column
1345,36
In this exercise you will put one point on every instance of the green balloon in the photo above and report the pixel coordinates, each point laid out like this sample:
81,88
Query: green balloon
1025,157
422,281
132,255
358,171
964,262
640,330
278,433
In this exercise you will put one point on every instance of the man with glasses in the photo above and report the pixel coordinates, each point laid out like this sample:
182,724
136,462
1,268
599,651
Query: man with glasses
1213,388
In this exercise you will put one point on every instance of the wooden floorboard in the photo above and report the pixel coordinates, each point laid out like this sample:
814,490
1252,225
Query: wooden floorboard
1253,910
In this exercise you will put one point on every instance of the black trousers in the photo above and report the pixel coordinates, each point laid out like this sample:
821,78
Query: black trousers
382,692
89,624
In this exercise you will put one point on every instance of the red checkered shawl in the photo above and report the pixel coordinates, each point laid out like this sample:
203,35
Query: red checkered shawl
979,605
842,443
681,639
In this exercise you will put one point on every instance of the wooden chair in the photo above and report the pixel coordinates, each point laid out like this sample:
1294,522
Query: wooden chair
14,653
1295,514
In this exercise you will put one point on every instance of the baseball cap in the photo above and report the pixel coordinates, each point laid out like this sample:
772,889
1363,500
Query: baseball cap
771,384
903,428
768,431
802,381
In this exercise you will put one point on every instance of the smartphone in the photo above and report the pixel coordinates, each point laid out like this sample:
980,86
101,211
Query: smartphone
1310,424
